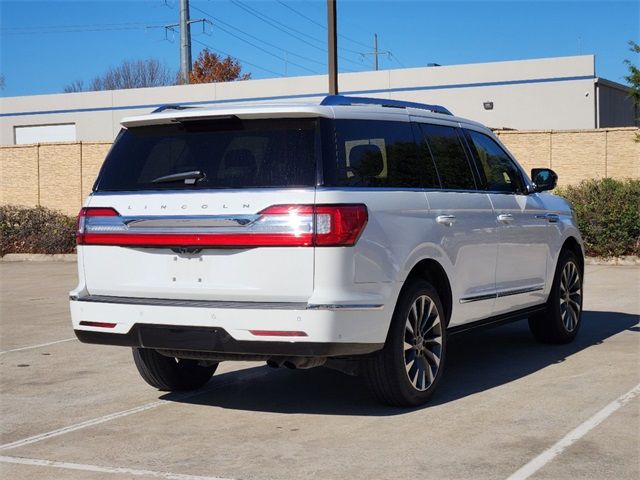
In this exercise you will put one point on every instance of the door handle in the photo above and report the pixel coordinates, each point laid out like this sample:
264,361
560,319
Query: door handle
447,220
505,218
549,217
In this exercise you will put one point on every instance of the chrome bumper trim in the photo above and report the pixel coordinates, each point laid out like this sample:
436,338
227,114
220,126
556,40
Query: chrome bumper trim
345,307
221,304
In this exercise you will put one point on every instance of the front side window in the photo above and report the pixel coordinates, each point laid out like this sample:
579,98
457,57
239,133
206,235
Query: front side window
372,153
218,153
449,156
501,174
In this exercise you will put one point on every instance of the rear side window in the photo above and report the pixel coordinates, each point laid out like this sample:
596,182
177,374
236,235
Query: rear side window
227,153
500,172
373,153
449,156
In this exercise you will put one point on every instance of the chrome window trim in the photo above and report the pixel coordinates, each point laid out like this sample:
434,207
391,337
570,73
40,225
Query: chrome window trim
395,189
172,191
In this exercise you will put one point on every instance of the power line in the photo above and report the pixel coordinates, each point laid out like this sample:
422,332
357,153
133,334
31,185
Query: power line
255,12
237,58
395,57
287,29
90,25
315,22
253,44
277,47
74,30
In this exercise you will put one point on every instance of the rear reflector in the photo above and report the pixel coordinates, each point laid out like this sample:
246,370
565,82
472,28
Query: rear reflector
278,333
276,226
97,324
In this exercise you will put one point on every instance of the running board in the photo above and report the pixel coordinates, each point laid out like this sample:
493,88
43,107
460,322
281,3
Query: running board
497,320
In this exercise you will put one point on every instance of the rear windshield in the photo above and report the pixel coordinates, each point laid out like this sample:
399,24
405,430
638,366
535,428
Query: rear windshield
220,153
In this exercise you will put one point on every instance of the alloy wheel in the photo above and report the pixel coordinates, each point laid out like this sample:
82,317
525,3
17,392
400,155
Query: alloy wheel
422,343
570,296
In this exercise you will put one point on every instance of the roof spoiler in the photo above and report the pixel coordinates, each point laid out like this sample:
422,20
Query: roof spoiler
331,100
162,108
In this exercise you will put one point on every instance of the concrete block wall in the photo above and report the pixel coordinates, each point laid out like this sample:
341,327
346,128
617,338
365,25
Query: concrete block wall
60,175
54,175
577,155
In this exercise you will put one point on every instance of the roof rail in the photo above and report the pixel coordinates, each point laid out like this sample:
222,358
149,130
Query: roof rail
170,107
383,102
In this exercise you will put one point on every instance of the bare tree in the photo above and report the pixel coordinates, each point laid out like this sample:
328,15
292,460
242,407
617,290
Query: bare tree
129,74
75,86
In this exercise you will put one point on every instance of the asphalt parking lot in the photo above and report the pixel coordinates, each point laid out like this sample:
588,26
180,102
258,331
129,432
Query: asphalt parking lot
506,405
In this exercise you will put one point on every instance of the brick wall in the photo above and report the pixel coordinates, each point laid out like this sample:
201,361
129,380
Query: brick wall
60,175
577,155
54,175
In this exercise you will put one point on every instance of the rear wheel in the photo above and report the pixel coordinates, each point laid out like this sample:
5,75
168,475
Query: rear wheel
168,373
561,319
406,371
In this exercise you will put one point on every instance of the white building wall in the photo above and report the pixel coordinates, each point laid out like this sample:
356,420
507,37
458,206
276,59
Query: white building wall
550,93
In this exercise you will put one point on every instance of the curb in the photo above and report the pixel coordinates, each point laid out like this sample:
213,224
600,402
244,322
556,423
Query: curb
624,260
39,257
71,257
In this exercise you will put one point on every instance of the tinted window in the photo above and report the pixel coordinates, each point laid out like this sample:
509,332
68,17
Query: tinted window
372,153
500,172
449,156
230,153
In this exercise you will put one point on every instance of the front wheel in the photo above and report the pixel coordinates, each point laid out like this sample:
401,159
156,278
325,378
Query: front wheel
168,373
406,371
561,319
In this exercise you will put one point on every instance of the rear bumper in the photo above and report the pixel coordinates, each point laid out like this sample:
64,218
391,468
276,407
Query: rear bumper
227,327
218,341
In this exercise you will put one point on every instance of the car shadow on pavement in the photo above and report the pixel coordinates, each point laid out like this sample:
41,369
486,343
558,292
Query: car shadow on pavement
476,361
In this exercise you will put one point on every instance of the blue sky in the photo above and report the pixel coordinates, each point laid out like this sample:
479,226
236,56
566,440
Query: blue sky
46,45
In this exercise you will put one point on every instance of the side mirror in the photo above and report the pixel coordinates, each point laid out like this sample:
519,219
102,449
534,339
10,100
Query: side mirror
543,179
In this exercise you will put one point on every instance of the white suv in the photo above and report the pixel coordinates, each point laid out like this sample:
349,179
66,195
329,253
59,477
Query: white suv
356,233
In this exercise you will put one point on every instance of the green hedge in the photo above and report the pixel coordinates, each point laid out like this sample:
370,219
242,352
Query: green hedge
608,213
35,230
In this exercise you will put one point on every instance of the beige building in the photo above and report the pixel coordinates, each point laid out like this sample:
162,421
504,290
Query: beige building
549,93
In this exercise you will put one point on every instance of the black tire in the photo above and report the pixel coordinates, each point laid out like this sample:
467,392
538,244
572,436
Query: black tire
389,372
169,374
562,317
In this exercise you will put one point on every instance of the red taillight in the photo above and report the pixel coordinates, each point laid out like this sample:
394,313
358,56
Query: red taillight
278,333
97,324
346,223
275,226
90,212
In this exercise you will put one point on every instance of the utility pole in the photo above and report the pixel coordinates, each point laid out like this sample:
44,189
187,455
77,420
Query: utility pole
184,28
185,41
332,44
376,52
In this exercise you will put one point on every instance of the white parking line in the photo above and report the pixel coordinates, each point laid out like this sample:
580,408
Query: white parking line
37,346
240,376
574,435
96,468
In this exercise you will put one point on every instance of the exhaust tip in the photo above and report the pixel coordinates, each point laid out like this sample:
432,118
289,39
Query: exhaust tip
274,363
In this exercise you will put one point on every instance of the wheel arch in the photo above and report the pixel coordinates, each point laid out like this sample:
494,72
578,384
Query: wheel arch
432,271
571,244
